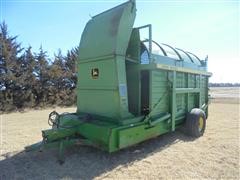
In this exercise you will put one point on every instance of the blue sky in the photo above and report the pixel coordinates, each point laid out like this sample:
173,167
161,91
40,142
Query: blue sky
202,27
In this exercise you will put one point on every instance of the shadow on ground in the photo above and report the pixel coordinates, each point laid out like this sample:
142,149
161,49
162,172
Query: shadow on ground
81,162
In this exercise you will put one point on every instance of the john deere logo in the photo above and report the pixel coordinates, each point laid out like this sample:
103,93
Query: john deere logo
95,73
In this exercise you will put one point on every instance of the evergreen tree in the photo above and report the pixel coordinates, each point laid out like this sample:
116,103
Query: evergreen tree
41,73
71,60
28,79
9,68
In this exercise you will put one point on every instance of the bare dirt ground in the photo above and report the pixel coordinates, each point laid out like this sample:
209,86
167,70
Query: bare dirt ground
174,155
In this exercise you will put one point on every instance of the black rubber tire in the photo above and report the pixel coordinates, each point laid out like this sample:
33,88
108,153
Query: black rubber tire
192,123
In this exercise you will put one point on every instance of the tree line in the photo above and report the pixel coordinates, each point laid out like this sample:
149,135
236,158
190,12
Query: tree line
32,79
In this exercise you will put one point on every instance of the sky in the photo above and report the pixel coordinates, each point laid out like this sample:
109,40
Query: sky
203,27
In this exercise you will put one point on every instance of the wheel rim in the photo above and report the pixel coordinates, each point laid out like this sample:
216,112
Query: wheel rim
200,124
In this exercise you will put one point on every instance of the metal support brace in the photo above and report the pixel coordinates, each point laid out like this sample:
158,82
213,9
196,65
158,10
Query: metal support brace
199,95
188,84
61,152
149,26
173,104
187,90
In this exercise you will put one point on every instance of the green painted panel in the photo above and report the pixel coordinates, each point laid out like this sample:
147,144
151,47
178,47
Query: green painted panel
97,133
133,50
192,100
102,52
106,79
106,94
133,87
133,74
134,135
204,89
181,102
108,32
160,96
192,81
102,102
181,80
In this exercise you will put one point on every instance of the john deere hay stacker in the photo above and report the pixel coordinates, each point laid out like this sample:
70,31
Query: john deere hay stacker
126,93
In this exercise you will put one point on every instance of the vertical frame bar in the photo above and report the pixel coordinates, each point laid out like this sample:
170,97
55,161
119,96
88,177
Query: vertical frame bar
200,94
150,90
149,26
207,96
173,103
150,41
188,86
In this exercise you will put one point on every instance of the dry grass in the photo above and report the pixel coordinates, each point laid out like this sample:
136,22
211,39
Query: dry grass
225,95
174,155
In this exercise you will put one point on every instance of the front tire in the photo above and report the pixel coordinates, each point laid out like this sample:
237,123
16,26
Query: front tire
196,122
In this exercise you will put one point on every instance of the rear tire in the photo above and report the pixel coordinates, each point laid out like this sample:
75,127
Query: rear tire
195,123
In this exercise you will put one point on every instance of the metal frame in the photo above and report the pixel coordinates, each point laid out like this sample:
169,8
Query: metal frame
149,26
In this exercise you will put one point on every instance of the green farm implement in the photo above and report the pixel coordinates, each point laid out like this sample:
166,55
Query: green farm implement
129,89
